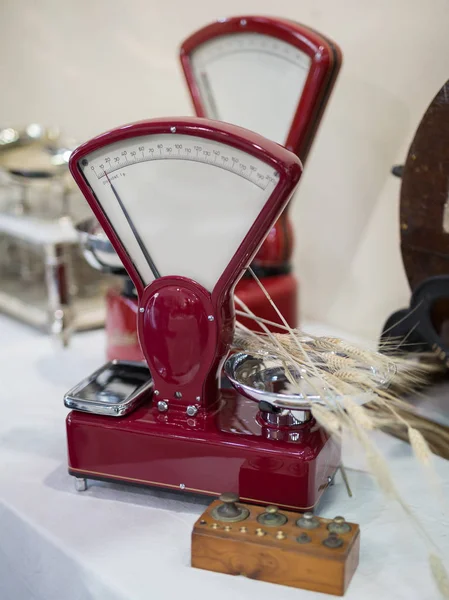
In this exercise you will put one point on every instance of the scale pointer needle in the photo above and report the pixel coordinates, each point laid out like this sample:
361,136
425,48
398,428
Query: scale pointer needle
135,232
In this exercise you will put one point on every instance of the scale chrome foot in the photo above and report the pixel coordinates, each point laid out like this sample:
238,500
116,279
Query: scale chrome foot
80,484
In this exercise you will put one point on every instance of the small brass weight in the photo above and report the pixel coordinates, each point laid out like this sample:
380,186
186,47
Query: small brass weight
229,511
276,545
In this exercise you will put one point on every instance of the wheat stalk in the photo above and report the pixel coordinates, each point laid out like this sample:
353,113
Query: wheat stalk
342,373
358,413
327,419
420,446
439,574
336,362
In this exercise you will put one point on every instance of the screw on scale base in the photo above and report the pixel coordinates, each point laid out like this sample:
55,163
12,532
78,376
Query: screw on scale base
191,410
229,511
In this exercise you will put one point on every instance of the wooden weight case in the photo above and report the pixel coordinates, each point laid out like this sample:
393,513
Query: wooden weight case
297,550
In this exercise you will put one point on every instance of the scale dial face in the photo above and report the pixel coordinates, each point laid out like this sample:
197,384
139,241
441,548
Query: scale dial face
181,205
272,76
252,80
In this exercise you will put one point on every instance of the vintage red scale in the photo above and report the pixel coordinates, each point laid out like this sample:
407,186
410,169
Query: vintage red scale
186,204
272,76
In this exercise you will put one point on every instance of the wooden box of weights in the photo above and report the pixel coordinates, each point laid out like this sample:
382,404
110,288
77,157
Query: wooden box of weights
298,550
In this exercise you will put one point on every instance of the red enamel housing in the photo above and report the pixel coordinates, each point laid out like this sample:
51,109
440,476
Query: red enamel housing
185,333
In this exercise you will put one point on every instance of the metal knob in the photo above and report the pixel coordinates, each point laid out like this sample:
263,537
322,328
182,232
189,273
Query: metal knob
229,498
229,510
272,517
339,525
308,521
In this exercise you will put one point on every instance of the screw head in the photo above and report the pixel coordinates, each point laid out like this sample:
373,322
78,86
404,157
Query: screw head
243,22
178,395
173,129
211,318
141,309
162,406
156,392
182,486
198,398
192,410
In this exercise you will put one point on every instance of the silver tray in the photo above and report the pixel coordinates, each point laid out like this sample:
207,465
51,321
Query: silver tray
263,379
114,390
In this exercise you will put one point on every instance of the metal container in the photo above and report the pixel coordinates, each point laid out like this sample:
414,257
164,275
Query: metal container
44,280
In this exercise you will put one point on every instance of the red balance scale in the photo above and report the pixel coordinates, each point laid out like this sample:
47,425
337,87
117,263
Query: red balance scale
272,76
186,204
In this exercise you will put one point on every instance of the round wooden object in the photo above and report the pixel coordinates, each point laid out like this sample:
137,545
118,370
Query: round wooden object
424,210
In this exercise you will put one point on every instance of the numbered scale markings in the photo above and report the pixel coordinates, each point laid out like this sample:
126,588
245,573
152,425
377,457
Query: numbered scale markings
205,153
180,204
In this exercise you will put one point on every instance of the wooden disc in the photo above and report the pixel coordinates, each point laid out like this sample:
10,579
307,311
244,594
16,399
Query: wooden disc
424,210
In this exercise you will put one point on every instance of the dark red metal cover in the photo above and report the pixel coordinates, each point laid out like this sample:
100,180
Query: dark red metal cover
209,454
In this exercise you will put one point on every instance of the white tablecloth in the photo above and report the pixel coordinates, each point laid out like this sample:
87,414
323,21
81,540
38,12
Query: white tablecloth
118,543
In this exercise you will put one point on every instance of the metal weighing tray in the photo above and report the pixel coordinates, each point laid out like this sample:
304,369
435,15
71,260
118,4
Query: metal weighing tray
114,390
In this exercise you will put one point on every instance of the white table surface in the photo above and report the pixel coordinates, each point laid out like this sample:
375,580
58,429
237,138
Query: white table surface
114,542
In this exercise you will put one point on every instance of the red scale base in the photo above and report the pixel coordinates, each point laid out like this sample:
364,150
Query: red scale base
231,450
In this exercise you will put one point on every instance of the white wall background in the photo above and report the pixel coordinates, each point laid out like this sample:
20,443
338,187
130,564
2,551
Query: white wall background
89,65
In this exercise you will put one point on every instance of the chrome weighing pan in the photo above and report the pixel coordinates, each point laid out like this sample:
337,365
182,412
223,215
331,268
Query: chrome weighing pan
263,379
114,390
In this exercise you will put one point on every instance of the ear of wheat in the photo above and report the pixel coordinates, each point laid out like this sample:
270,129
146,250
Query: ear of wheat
359,390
